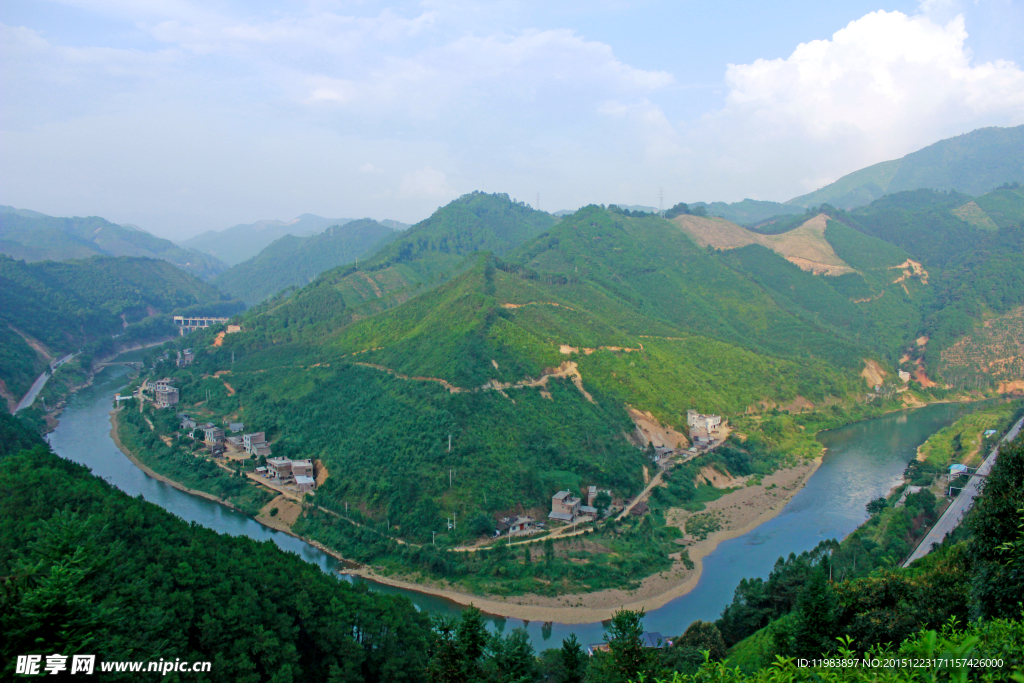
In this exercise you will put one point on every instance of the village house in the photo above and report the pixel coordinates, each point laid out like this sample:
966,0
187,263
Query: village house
187,423
234,444
708,423
279,468
256,444
564,507
700,437
165,396
302,468
236,426
185,358
516,526
304,484
213,435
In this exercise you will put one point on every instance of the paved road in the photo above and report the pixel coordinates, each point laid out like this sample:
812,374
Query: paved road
40,382
954,514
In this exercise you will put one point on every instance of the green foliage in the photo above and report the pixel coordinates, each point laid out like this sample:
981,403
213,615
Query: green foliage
87,569
998,584
65,306
972,163
295,261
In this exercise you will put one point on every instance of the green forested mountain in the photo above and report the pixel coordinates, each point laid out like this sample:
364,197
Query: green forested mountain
32,236
974,260
88,569
972,163
424,256
530,362
528,342
295,261
52,308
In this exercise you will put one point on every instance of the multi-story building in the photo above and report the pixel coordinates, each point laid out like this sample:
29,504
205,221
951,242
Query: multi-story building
564,507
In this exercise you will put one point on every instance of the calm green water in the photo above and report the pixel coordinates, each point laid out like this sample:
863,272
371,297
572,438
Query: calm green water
863,461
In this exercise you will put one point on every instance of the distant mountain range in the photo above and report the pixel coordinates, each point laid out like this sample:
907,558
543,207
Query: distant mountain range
973,163
294,260
33,236
244,241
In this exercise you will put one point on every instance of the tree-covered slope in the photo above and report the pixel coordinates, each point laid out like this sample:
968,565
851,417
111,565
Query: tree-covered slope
295,261
529,361
417,260
32,236
52,308
974,269
88,569
973,163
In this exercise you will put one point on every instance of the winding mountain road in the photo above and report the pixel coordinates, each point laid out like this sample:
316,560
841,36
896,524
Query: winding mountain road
956,511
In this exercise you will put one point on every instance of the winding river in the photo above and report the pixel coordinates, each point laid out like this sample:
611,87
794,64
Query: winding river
864,461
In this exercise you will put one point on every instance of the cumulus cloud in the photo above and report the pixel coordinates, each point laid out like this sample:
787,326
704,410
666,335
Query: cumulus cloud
883,86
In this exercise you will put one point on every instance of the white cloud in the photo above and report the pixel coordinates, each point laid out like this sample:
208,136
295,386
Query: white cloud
883,86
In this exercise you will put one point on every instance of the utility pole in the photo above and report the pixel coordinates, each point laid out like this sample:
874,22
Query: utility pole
433,536
661,200
449,443
537,205
449,477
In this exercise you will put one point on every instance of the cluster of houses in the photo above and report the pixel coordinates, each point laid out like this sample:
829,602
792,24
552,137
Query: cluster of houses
703,428
287,471
185,358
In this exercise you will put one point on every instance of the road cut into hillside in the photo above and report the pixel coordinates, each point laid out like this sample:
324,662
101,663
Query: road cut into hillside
739,512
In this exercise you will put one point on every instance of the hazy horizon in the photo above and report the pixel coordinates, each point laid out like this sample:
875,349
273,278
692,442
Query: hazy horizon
184,117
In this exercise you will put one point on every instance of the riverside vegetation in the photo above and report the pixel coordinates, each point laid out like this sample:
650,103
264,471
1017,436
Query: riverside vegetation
524,341
88,569
371,370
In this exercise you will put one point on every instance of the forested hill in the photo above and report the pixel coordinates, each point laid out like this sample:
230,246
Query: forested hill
973,163
418,259
971,251
53,308
88,569
295,261
32,236
532,360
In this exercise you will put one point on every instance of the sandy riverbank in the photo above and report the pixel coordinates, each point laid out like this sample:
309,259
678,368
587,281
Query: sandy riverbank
740,511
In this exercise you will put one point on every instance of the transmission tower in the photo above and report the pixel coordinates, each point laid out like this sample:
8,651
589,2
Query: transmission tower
661,200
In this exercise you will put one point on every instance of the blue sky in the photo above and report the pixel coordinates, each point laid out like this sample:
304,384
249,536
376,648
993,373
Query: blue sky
182,116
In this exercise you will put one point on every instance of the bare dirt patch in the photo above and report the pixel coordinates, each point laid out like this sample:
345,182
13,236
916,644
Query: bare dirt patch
805,246
1011,387
37,345
872,373
719,480
910,269
320,470
650,430
288,512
